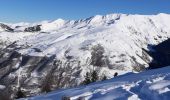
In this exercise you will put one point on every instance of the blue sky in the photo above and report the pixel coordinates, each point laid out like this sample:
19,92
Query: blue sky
37,10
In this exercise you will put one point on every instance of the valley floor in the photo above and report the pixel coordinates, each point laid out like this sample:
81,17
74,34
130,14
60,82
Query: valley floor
148,85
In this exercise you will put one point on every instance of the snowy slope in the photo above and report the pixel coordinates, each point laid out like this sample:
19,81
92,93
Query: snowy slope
148,85
119,34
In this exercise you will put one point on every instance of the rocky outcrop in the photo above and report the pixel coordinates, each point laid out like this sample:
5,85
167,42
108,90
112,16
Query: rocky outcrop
6,28
33,28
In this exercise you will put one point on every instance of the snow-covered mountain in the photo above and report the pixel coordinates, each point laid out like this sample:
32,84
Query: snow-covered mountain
4,27
148,85
107,44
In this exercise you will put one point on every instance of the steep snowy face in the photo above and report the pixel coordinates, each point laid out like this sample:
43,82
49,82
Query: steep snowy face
108,44
122,37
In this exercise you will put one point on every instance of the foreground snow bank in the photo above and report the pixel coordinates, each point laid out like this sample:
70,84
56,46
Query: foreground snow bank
148,85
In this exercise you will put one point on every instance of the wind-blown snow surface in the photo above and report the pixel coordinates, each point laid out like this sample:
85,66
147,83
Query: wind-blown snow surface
148,85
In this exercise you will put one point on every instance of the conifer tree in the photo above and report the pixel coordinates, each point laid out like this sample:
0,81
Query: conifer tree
20,94
94,76
87,79
104,78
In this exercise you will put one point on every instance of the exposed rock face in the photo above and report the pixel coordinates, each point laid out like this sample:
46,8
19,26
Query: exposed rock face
6,28
29,72
33,29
